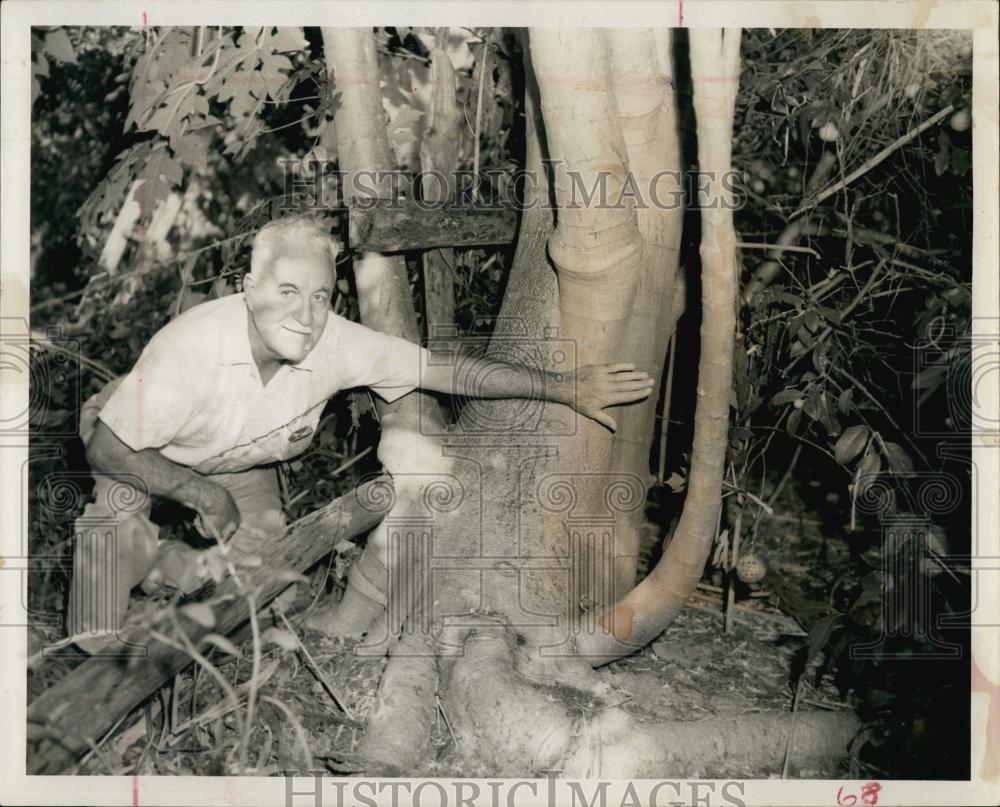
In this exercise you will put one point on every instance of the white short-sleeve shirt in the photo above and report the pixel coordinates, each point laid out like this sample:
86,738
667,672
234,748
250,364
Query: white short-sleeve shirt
196,394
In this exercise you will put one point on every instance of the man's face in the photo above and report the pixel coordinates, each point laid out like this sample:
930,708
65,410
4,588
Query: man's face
290,302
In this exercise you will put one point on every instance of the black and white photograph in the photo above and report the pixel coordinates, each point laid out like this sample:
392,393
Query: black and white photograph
504,403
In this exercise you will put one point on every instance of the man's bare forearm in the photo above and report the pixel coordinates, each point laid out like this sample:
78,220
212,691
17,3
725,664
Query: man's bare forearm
489,378
588,389
108,454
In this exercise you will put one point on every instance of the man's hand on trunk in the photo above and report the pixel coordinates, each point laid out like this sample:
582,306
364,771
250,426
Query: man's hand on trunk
594,387
588,390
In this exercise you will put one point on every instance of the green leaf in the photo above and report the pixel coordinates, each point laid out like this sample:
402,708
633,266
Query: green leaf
676,482
851,443
844,401
792,424
819,635
943,155
109,195
403,129
200,122
828,417
813,405
795,326
199,612
271,77
788,297
797,349
868,469
899,460
224,644
285,40
930,377
786,396
191,149
961,162
58,46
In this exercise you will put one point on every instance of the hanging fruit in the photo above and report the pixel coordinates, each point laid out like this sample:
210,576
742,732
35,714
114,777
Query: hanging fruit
828,132
751,569
961,120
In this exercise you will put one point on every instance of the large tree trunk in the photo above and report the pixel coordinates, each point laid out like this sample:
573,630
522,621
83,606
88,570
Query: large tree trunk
544,505
652,605
408,449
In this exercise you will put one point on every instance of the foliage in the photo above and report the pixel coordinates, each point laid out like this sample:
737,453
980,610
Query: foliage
849,360
76,131
165,117
844,364
190,87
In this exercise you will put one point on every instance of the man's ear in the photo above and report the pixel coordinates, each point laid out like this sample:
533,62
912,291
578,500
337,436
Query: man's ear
249,287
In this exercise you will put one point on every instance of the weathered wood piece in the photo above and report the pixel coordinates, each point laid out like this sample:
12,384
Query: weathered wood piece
65,720
395,226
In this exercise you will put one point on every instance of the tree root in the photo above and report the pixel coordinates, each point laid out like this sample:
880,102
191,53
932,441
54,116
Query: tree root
520,729
399,727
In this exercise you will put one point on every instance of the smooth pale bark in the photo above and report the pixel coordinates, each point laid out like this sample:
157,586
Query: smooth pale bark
642,78
649,608
608,118
501,647
593,737
407,449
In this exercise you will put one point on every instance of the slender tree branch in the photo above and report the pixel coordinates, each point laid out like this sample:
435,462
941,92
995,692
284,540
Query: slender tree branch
869,164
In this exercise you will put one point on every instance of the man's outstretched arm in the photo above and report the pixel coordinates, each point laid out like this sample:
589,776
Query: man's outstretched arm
219,515
588,390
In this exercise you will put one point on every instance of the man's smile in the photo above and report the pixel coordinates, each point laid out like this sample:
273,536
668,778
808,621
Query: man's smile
298,333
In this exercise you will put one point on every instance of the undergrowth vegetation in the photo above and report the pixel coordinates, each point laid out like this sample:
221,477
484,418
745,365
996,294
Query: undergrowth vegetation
850,403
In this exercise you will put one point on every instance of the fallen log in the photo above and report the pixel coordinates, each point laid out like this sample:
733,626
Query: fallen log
69,718
387,225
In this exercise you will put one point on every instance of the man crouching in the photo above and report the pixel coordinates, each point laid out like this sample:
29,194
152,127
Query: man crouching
230,388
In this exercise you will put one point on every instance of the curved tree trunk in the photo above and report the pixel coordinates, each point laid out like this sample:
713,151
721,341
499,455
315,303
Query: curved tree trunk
544,505
649,608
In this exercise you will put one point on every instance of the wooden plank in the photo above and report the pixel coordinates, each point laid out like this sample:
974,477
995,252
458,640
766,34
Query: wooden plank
67,718
395,226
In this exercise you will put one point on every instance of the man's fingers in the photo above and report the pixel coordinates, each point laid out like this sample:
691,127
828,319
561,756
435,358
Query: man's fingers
627,397
628,386
605,420
620,367
632,375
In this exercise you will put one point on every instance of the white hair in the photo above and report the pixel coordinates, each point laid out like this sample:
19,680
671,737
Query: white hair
270,238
